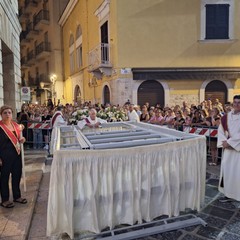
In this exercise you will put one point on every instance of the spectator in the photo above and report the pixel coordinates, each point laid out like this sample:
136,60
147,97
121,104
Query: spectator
157,118
50,104
169,117
137,109
144,117
132,115
46,132
179,120
214,121
37,132
197,119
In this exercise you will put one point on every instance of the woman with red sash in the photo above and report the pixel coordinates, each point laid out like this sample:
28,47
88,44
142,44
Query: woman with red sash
10,157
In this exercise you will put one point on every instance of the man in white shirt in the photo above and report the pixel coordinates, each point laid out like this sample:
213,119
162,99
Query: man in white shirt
132,114
229,140
92,121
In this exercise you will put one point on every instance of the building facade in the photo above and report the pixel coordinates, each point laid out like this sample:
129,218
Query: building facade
151,50
41,48
10,73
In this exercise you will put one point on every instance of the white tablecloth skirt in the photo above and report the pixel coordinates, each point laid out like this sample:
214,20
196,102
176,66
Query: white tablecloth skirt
93,189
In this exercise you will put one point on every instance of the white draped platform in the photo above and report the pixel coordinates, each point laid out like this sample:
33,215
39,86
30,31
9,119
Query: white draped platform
93,189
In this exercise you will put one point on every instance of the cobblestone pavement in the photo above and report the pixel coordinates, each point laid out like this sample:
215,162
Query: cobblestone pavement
29,221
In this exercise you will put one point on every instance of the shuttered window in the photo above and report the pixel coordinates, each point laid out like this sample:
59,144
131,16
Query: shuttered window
217,21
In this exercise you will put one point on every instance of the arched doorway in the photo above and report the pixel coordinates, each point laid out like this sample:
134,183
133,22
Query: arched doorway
77,95
150,91
216,89
106,95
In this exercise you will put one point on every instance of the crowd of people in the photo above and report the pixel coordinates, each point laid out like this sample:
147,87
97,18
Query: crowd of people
207,113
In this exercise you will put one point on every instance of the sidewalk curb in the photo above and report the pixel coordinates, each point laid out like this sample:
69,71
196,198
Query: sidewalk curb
28,225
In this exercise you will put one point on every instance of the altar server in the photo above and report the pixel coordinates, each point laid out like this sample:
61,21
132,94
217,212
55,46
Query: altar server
92,121
229,140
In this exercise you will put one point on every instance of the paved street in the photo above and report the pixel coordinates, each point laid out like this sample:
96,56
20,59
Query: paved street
29,221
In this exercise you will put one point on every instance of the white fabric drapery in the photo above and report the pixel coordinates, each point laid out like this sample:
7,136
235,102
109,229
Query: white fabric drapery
93,189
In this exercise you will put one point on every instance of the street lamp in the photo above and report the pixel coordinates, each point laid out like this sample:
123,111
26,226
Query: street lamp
53,79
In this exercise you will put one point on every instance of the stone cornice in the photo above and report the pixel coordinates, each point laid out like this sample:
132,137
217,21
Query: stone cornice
66,13
102,10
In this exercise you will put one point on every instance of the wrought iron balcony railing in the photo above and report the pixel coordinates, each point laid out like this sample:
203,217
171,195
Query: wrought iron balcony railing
30,56
43,15
43,47
99,56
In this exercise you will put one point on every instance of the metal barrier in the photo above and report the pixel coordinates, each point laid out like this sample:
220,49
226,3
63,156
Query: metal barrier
37,134
211,134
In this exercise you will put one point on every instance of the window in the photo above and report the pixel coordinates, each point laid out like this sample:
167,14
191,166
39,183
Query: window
71,40
79,59
71,54
104,32
104,43
217,21
79,56
72,62
78,32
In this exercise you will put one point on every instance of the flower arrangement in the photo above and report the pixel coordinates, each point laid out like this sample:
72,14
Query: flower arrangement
78,116
112,115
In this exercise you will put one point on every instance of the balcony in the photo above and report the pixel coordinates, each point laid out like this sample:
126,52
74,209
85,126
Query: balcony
32,82
31,58
99,61
30,6
44,78
23,39
41,19
22,15
31,33
43,50
24,63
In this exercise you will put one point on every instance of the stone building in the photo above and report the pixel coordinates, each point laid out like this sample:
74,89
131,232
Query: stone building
151,50
41,48
10,72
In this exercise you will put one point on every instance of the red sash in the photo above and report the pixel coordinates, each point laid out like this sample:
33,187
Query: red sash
224,122
14,138
54,118
87,121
